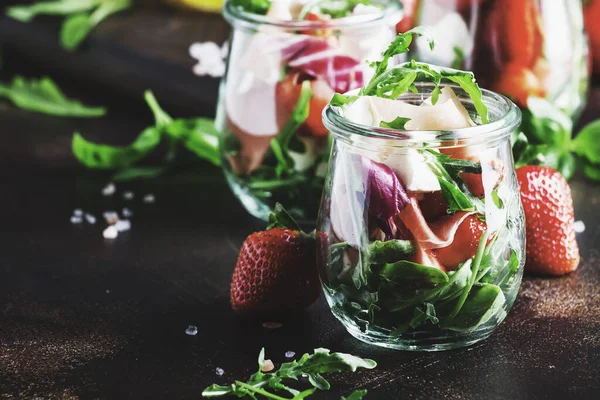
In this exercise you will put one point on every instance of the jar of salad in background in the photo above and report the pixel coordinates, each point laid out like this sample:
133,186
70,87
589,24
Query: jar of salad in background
283,68
421,231
520,48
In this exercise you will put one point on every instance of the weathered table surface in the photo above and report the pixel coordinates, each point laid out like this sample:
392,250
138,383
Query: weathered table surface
84,317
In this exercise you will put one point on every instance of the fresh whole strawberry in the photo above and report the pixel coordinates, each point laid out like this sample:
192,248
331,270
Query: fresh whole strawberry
276,270
591,13
464,245
551,244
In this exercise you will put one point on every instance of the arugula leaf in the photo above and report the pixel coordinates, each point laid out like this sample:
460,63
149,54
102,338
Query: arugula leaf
339,100
356,395
483,302
253,6
587,142
58,7
313,365
424,314
45,96
397,123
101,156
390,251
280,145
466,80
335,8
408,270
459,57
130,173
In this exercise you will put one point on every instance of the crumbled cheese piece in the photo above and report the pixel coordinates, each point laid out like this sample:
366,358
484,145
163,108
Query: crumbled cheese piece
110,233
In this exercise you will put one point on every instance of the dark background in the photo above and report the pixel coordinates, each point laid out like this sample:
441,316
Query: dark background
84,317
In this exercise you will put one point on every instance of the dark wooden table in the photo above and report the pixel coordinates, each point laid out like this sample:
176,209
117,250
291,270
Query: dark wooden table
84,317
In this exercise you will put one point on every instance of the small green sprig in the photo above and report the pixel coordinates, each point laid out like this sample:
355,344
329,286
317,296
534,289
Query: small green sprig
198,135
310,365
44,96
82,16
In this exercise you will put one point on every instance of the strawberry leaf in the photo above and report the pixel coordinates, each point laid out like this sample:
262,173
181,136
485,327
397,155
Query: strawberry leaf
356,395
280,218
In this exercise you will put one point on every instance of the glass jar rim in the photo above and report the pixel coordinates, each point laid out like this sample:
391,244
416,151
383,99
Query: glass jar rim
497,129
237,17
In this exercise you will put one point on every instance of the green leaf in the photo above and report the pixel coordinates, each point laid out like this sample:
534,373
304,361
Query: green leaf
390,251
77,27
198,135
519,144
587,142
45,96
496,199
132,173
467,82
215,390
456,199
551,156
101,156
591,171
58,7
280,218
483,302
304,394
356,395
339,100
459,57
337,8
397,123
544,123
410,271
253,6
424,314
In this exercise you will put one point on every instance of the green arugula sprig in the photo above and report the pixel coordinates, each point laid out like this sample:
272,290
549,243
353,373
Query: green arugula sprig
44,96
545,138
333,8
198,135
82,16
253,6
309,365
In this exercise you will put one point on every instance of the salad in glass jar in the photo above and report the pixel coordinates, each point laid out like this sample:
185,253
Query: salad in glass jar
421,229
287,59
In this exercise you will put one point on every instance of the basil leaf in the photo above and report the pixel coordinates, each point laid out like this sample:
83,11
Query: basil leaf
198,135
356,395
483,302
45,96
397,123
587,142
390,251
58,7
544,123
410,271
591,171
101,156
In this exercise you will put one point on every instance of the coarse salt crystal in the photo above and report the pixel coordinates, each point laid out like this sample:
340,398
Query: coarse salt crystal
268,366
149,198
110,233
90,218
109,189
272,325
128,195
289,354
191,330
578,226
78,212
111,217
123,225
76,220
219,371
126,212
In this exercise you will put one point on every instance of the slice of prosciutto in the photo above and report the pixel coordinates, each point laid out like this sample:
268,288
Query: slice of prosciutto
435,235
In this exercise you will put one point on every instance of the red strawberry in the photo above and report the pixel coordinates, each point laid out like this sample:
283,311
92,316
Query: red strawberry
276,269
475,181
464,245
551,245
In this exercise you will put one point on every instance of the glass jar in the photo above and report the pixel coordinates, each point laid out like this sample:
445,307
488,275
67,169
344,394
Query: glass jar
399,269
519,48
280,75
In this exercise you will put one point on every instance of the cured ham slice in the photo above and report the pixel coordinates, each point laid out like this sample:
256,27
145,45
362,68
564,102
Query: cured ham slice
426,257
438,234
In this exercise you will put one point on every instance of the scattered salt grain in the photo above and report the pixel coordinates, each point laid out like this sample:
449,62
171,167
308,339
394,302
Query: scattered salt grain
107,291
578,226
78,212
109,189
219,371
128,195
210,59
289,354
272,325
127,213
111,217
149,198
123,225
191,330
76,220
110,233
268,366
90,218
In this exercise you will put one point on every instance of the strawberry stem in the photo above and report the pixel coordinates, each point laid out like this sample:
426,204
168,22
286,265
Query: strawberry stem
259,391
